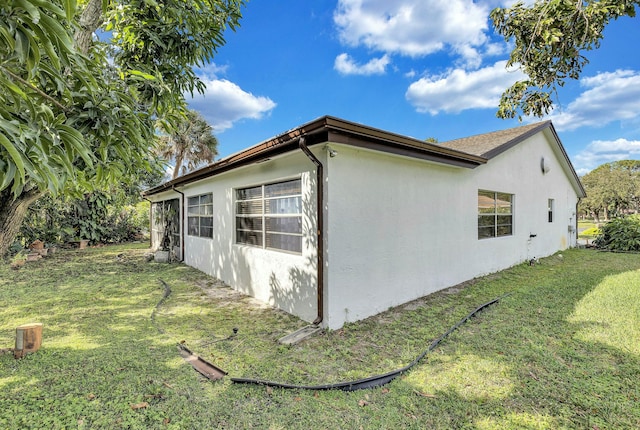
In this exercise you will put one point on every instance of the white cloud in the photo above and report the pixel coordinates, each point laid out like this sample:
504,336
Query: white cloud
599,152
212,70
224,103
414,27
609,97
459,90
344,64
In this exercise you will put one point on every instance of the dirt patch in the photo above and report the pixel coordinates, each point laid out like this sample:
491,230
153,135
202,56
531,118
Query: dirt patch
416,304
224,295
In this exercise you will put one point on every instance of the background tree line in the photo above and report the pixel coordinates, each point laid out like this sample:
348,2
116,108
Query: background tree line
613,190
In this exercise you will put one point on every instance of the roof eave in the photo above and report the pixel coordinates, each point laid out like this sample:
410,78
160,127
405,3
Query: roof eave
320,128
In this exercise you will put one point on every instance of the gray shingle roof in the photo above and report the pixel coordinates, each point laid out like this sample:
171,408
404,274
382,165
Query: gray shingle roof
489,145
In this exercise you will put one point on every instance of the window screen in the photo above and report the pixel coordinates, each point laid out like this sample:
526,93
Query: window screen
270,216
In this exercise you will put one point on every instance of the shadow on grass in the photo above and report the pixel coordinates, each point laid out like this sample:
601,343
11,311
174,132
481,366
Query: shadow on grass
524,364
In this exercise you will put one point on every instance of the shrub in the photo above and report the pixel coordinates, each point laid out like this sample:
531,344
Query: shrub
620,234
99,217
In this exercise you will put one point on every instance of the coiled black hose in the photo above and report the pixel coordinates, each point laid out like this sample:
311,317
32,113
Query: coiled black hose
372,381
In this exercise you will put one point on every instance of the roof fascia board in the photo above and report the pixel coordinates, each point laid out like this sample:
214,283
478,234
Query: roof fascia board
345,139
267,149
317,131
408,145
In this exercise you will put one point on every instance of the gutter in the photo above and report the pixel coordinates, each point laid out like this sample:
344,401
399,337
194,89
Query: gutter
181,223
338,131
320,226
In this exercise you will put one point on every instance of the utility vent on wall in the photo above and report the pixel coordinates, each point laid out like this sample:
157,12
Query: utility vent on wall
544,166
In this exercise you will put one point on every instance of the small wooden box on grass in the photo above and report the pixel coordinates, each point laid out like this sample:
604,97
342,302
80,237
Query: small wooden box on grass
28,339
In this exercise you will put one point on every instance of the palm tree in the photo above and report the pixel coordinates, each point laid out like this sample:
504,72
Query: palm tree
190,143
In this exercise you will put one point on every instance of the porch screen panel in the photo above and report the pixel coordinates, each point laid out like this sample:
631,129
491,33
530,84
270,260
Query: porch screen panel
165,214
270,216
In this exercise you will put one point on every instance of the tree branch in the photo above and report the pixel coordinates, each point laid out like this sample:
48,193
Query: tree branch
34,88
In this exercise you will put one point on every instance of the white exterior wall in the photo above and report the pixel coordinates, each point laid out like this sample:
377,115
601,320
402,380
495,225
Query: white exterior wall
284,280
401,228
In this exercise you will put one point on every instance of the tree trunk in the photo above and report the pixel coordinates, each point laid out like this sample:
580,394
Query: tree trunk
90,20
179,160
12,213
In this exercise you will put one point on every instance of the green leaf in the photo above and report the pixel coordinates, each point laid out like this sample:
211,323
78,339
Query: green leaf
10,41
45,43
8,175
30,8
70,9
22,45
15,156
56,30
142,74
75,139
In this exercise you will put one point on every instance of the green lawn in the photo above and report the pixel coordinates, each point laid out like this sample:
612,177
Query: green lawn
586,224
561,351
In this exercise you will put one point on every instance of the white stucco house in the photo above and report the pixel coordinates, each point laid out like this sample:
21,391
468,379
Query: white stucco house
335,221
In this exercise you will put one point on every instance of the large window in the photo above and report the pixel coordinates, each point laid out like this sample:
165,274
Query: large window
270,216
200,215
495,214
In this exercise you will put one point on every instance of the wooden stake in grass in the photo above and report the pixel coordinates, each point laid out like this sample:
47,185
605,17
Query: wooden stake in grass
28,339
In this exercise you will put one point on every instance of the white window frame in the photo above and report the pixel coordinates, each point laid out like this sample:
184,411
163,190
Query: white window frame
200,207
493,213
266,219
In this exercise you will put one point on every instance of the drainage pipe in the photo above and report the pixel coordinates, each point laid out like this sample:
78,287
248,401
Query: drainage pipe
181,223
320,226
372,381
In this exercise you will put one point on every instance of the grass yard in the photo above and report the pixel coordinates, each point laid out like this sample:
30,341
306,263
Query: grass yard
561,351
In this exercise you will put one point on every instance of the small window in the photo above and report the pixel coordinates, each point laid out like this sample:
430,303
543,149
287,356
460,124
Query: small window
270,216
200,215
495,214
550,204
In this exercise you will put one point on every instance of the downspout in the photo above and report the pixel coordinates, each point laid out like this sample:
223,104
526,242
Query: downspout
320,229
181,223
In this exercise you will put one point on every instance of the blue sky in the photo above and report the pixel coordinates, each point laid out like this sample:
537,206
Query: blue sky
422,68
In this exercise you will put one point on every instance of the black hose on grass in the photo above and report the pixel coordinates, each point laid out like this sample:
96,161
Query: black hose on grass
167,292
373,381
